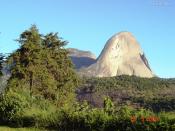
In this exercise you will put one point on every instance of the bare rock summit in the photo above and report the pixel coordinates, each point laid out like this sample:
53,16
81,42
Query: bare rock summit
122,55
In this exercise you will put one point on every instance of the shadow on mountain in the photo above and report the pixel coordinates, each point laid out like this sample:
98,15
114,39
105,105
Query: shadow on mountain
80,62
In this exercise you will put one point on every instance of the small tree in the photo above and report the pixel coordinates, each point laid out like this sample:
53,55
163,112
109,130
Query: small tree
108,105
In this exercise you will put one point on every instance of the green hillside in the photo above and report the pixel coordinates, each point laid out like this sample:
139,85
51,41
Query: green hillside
156,94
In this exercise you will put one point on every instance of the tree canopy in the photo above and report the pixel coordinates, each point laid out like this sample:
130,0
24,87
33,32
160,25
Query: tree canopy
42,65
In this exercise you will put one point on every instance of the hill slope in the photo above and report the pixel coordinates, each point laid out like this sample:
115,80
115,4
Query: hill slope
153,93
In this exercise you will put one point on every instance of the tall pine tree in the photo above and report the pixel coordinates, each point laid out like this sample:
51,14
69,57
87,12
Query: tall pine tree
42,66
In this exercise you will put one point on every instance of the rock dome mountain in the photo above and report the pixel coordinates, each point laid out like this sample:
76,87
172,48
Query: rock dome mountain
122,55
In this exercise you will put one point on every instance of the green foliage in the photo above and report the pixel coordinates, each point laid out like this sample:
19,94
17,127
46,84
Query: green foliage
34,111
108,106
125,81
42,65
42,80
12,105
98,120
152,93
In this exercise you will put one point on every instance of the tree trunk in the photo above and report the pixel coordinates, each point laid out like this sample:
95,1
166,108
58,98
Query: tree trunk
31,82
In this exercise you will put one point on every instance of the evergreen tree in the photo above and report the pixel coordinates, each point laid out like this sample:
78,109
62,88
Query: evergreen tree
60,66
25,59
42,65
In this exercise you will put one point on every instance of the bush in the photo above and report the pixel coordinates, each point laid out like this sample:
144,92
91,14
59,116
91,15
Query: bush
12,106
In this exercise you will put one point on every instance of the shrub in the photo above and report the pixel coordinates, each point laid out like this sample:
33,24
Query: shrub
12,106
108,106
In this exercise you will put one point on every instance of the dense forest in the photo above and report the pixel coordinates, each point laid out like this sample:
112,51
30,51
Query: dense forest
155,93
44,92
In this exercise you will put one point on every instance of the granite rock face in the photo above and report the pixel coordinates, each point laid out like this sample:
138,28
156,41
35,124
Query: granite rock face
122,55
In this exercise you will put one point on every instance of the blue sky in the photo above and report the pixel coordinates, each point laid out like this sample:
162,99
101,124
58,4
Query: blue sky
88,24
